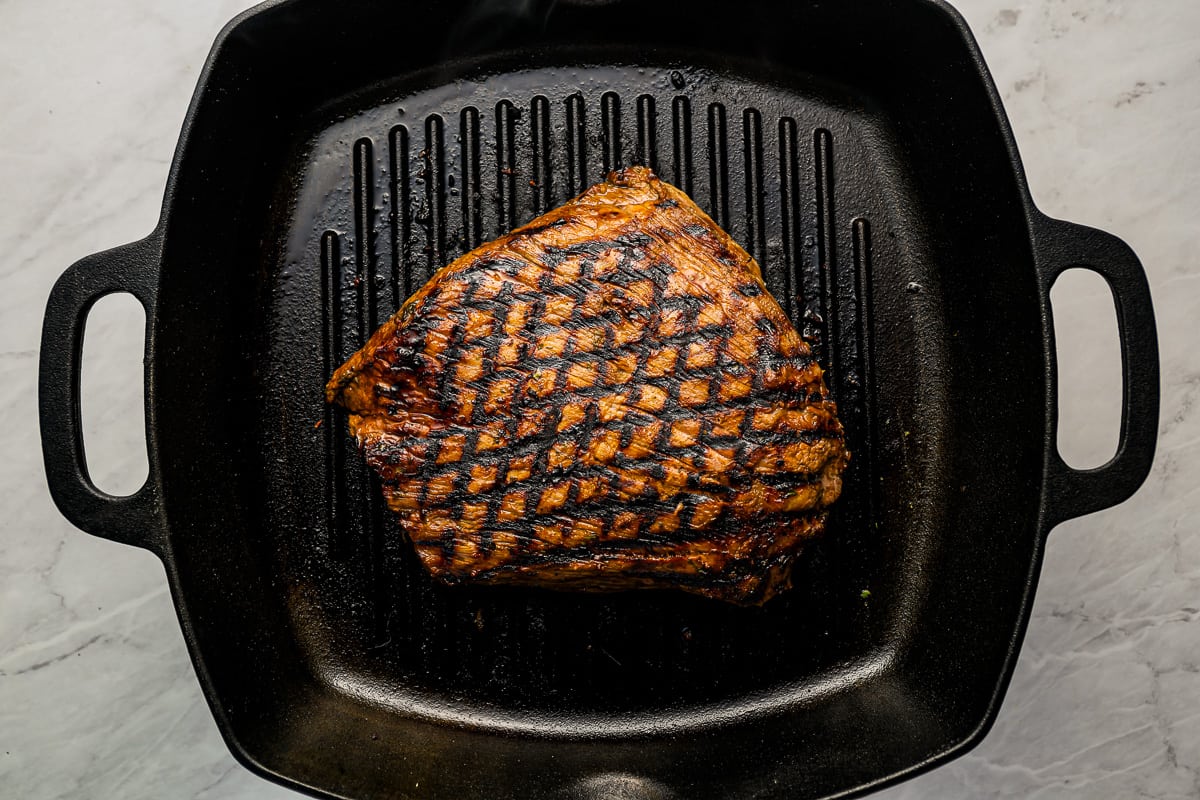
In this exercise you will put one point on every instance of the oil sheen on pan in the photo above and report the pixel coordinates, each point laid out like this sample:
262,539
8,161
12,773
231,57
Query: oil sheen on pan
607,398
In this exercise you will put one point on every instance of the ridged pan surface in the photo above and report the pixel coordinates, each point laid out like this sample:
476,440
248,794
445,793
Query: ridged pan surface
395,191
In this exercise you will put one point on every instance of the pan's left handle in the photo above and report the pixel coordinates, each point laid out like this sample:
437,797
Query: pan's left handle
134,519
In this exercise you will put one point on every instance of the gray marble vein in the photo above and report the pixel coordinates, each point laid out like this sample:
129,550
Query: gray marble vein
97,696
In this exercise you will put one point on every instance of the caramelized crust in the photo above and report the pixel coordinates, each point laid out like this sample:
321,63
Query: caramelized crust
606,398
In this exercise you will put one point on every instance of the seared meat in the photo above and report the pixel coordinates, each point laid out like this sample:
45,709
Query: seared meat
606,398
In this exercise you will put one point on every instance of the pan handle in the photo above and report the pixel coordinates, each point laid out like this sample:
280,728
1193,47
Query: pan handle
134,519
1070,492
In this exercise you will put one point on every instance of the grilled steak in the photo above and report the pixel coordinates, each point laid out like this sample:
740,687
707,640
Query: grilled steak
606,398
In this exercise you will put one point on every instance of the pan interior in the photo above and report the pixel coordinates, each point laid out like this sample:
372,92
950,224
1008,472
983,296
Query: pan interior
386,188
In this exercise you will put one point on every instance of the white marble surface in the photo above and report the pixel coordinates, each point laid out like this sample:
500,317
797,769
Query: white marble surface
97,697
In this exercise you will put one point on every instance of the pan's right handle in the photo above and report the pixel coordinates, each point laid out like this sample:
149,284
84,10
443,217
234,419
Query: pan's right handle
1072,492
134,519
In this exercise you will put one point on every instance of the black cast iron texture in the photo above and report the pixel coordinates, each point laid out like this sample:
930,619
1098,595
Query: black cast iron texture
335,155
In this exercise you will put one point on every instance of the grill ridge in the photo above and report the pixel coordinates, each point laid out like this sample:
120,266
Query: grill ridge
610,117
364,256
790,208
398,184
756,243
506,167
334,419
681,128
826,337
471,194
435,194
542,181
576,143
647,153
865,384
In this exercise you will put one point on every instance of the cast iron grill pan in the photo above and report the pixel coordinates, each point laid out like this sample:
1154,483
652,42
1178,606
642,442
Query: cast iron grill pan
332,161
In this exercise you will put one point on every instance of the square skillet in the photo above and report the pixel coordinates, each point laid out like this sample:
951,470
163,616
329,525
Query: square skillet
335,155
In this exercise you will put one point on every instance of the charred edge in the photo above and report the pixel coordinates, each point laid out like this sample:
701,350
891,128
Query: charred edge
506,166
576,144
681,129
435,193
789,181
755,219
331,307
471,199
610,121
364,257
718,165
398,157
866,363
539,122
647,153
826,239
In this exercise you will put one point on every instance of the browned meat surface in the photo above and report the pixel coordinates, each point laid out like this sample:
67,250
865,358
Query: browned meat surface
606,398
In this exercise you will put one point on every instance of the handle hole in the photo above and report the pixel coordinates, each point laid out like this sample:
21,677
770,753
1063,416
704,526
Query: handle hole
111,394
1089,368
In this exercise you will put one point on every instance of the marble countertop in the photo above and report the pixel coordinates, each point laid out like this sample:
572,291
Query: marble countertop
97,696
